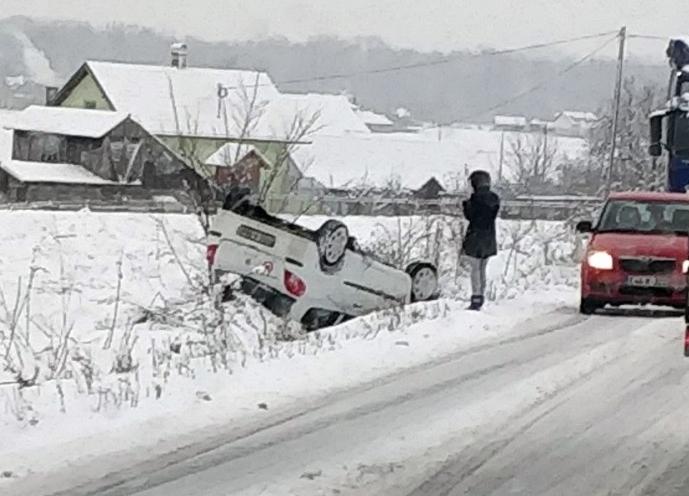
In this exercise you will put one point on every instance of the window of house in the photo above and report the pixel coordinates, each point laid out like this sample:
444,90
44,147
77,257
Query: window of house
39,147
90,104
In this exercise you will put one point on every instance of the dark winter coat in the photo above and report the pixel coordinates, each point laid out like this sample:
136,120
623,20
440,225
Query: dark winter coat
481,210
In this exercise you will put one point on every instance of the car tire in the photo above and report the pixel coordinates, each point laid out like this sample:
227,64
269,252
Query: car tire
424,281
332,239
588,306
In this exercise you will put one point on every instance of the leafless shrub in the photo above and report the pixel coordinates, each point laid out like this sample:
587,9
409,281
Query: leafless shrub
533,162
118,293
411,238
17,355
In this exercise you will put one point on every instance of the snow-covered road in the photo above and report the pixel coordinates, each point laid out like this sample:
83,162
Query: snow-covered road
566,406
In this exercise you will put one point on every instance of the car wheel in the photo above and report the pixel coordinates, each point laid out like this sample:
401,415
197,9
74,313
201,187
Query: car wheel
332,239
424,281
588,307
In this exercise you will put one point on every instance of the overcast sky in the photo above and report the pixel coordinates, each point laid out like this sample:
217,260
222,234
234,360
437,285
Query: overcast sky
422,24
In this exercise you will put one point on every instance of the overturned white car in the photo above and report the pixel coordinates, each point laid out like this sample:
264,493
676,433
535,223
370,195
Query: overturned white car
318,278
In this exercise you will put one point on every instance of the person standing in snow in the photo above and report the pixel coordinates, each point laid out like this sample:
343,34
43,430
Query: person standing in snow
480,242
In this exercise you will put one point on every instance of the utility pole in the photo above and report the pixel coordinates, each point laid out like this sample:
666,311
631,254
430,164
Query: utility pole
545,149
502,154
616,111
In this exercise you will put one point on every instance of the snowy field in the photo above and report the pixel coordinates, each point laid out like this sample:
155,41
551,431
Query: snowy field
375,159
117,345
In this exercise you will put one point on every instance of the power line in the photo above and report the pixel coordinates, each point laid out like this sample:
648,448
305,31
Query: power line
543,83
446,60
441,61
649,37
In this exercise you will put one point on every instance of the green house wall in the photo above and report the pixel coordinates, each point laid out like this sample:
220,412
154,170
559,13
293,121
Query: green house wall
87,90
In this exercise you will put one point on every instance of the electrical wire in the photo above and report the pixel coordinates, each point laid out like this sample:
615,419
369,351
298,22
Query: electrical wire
649,37
441,61
543,83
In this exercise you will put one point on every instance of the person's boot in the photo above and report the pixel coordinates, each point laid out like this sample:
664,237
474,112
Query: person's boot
476,302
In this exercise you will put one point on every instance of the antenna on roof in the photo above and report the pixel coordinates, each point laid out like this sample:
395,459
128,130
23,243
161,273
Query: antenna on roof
179,53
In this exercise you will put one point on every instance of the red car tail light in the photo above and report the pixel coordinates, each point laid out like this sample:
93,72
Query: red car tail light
210,253
294,284
686,342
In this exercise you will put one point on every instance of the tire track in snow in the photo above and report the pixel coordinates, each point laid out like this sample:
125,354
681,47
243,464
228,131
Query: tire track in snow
459,470
176,464
447,478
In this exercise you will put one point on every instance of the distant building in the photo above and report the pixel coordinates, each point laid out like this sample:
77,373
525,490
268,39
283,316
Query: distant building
430,190
196,111
248,165
377,123
510,123
52,153
539,125
576,124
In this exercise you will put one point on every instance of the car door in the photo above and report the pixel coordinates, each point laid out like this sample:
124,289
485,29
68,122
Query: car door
370,285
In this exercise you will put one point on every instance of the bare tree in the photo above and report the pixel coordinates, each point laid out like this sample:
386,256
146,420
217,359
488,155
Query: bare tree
302,126
242,114
632,166
245,114
532,161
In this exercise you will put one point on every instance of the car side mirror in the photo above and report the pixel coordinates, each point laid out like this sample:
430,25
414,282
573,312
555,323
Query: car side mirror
585,226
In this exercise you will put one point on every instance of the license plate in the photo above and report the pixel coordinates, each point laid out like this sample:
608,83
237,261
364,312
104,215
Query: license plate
256,236
644,281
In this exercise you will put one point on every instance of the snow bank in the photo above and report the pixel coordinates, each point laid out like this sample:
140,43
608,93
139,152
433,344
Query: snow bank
126,341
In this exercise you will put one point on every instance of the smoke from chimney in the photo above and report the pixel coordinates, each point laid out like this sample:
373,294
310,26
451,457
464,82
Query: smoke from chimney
179,53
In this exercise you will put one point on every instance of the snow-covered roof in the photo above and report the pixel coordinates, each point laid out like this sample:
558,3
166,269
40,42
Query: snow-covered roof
509,120
372,118
540,122
335,115
43,172
7,118
208,102
578,116
171,101
347,161
67,121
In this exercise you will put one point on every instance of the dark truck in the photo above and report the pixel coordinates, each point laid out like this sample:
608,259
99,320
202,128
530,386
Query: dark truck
669,129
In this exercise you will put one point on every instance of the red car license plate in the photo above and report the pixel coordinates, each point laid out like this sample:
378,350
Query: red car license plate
646,281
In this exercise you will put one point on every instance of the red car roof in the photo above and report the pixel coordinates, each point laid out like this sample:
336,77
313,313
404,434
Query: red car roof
650,196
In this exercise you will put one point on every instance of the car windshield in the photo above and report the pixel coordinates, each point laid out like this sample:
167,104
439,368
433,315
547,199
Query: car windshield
645,217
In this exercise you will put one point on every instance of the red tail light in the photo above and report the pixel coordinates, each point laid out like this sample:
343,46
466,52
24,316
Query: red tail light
294,284
686,342
210,253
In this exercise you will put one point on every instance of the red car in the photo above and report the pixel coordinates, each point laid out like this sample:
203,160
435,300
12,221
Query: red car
638,252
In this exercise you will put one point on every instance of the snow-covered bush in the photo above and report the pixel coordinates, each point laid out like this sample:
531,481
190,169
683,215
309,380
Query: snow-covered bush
531,253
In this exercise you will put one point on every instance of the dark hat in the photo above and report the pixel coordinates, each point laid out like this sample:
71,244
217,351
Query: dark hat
479,178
